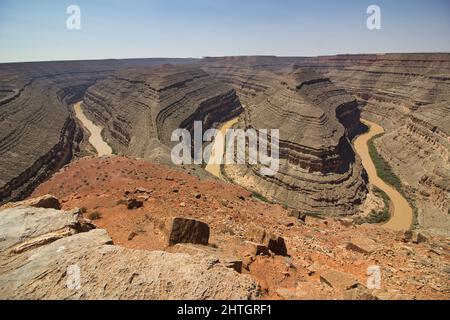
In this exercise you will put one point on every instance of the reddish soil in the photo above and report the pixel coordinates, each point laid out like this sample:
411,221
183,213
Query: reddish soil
103,184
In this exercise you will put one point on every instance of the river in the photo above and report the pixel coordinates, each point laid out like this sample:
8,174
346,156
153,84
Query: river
401,213
218,149
95,138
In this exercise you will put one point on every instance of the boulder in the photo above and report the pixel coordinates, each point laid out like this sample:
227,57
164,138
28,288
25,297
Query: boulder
255,249
45,201
22,225
232,263
182,230
414,236
362,245
419,237
339,280
297,215
274,243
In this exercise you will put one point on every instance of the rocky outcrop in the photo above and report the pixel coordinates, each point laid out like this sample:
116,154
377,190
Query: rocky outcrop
140,108
45,201
45,255
241,229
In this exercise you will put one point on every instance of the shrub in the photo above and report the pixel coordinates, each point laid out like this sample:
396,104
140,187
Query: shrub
95,215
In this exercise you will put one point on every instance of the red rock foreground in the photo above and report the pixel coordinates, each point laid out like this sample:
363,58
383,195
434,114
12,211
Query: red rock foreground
153,212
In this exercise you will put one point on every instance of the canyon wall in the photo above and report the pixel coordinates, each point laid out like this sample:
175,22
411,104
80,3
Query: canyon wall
38,134
318,173
140,108
408,94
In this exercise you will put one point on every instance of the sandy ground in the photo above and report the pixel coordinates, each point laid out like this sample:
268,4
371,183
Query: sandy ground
96,138
402,213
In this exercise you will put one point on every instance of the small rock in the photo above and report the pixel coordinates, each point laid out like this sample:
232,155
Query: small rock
211,262
134,204
392,295
274,243
339,280
362,245
288,222
141,190
297,215
255,249
132,235
358,293
232,263
247,261
346,222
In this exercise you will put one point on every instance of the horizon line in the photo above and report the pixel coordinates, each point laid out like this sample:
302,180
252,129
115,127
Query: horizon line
226,56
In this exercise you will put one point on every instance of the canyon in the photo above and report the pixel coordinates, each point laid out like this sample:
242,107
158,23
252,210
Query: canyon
57,118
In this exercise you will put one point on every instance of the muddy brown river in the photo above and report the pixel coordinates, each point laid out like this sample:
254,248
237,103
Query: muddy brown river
218,149
95,138
402,213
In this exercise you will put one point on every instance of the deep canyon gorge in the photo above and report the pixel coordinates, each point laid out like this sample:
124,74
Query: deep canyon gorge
97,136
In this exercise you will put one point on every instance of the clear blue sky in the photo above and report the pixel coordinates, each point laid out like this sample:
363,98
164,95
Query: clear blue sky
32,30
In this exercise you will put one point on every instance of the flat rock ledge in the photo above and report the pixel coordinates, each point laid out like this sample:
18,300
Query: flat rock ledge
51,254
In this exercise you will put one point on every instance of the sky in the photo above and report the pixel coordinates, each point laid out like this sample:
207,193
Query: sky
35,30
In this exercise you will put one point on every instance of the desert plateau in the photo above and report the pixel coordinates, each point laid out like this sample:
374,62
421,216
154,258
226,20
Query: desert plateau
355,206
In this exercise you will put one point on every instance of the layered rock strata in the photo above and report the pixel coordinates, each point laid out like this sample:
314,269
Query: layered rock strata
318,169
140,108
37,131
405,93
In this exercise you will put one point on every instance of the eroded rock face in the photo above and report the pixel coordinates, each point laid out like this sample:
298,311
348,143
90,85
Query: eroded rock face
85,265
18,225
319,172
45,201
38,134
140,108
407,94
